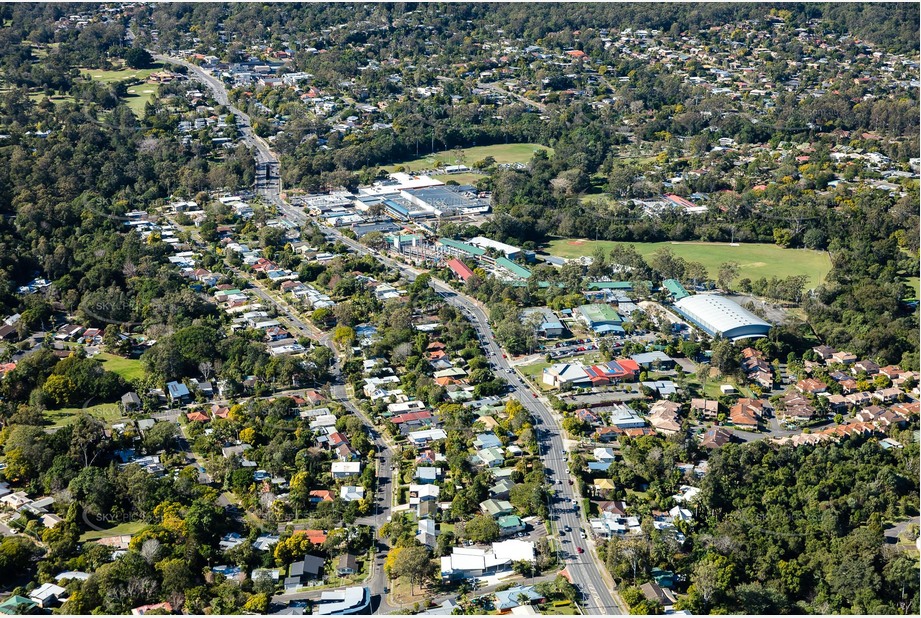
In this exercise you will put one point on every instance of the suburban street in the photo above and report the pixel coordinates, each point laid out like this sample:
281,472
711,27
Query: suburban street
586,569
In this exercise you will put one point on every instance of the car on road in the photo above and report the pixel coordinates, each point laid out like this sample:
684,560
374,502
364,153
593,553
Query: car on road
582,534
567,529
579,550
570,481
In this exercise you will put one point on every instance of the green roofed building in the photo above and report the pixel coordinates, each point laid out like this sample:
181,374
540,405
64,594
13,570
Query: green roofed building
18,606
512,267
599,315
509,524
610,285
675,289
461,247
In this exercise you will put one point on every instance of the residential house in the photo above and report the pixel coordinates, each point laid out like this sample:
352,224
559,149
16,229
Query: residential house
178,392
303,571
427,475
423,437
345,469
825,352
604,454
843,358
715,438
496,508
747,412
501,489
427,532
607,434
131,402
888,395
867,366
796,407
48,595
509,525
656,594
705,408
347,565
811,386
517,595
350,493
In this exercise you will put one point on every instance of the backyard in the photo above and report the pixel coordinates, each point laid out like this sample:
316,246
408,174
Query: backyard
127,368
755,260
108,413
125,528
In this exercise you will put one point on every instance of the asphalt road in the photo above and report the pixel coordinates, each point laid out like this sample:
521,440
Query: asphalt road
585,568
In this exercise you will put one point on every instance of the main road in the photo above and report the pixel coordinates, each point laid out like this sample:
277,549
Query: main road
586,569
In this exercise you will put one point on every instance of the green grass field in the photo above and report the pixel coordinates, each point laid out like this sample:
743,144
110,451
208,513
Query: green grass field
128,527
502,153
755,259
108,413
128,368
107,77
138,96
915,284
58,98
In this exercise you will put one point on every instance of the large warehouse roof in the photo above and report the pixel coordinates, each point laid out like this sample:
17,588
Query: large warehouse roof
717,315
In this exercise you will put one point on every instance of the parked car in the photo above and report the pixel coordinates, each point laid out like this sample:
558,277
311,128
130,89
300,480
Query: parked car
579,550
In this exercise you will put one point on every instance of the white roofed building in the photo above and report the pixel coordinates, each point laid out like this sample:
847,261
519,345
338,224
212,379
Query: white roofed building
718,316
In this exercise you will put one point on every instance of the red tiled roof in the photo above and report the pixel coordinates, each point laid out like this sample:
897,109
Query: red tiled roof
411,416
460,269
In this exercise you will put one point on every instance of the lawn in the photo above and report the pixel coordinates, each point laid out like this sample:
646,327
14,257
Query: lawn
712,388
127,368
755,260
565,610
533,372
128,527
108,77
57,98
915,285
502,153
106,412
138,97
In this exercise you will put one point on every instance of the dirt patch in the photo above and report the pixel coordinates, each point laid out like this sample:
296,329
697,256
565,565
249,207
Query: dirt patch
576,242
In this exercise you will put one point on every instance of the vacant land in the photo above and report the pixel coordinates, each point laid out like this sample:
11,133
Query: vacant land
755,260
108,413
502,153
128,368
125,528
